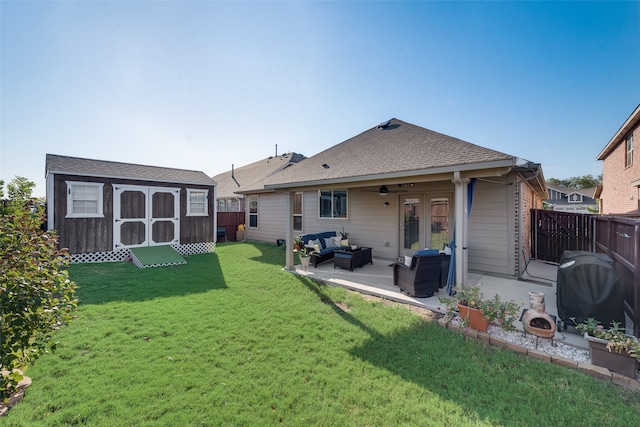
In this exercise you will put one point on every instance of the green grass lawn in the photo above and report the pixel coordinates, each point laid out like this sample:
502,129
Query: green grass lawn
229,339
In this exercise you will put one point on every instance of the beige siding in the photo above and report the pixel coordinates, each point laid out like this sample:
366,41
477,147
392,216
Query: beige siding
272,209
491,228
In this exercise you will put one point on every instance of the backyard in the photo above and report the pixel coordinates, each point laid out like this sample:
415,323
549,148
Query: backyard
230,339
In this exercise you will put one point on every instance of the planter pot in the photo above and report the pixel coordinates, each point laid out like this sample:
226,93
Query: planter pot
304,262
476,320
621,363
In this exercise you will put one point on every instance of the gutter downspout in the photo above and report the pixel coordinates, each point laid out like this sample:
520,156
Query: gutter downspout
519,190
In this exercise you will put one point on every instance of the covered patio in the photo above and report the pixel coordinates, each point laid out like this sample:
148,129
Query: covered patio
377,279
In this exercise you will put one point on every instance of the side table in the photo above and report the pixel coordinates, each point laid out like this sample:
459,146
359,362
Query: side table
350,259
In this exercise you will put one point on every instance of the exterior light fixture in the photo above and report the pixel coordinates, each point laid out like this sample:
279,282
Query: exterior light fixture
383,190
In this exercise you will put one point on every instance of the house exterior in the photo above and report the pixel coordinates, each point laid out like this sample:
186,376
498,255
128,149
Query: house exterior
101,209
572,200
229,182
398,187
620,192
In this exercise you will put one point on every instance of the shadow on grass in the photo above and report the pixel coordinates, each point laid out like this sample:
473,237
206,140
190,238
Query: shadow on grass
106,282
482,381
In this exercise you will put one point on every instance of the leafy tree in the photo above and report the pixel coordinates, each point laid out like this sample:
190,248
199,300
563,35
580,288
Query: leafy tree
36,295
18,195
577,182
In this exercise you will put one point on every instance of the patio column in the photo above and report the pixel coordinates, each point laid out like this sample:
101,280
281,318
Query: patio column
289,262
462,223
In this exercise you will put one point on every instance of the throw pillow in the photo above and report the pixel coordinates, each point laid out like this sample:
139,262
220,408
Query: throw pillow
407,260
313,248
337,242
329,242
315,242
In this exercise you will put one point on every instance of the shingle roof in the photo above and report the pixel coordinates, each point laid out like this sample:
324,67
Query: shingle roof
397,147
101,168
248,175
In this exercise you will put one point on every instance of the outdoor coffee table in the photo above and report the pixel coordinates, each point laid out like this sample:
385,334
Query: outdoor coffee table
351,258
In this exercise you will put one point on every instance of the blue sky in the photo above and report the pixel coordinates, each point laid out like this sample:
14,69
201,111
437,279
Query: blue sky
203,85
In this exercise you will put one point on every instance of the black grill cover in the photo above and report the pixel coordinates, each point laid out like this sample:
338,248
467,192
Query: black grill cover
589,286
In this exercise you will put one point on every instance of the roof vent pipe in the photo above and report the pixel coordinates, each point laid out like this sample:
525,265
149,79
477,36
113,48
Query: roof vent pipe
233,175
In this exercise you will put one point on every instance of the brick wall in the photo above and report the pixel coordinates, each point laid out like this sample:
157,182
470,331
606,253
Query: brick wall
618,195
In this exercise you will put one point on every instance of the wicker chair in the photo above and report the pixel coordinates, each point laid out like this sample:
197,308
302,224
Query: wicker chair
423,277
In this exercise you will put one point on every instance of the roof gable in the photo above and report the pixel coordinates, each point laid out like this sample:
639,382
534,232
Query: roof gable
238,178
621,134
57,164
395,147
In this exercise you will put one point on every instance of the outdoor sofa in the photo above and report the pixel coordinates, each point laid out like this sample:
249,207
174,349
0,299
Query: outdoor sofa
323,245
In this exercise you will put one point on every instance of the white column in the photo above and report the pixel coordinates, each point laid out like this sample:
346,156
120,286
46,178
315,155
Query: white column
462,223
289,234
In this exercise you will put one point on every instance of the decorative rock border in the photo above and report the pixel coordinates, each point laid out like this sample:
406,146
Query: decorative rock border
589,369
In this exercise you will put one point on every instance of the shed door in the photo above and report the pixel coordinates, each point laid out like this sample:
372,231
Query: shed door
145,216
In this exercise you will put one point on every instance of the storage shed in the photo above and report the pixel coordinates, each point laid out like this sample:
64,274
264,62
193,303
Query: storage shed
102,209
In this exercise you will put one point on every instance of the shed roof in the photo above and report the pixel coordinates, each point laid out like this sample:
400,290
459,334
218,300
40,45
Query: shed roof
238,178
394,147
57,164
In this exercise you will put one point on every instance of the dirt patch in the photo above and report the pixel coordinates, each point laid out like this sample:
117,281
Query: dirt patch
425,313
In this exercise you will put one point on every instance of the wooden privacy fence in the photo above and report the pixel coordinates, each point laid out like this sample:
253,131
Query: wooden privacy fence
230,221
620,239
553,232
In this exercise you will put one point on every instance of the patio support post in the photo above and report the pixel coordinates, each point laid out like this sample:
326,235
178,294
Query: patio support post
289,234
462,223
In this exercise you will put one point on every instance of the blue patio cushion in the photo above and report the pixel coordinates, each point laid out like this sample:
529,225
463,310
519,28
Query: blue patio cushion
341,255
427,252
319,236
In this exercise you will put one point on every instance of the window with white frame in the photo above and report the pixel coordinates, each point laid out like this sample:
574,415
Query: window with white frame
222,205
629,145
84,199
197,202
575,198
333,203
297,212
253,211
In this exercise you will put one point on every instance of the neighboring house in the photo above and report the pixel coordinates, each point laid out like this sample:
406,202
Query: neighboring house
572,200
228,183
398,187
100,209
620,193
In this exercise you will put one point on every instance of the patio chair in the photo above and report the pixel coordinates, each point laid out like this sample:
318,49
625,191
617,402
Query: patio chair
423,277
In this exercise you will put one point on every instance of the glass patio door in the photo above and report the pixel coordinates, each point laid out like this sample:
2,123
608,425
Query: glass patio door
410,227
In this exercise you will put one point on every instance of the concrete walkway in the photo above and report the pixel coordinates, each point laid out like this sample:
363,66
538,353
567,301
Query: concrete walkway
377,279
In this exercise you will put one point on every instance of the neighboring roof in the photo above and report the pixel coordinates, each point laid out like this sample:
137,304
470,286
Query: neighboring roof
621,134
587,192
392,149
238,178
57,164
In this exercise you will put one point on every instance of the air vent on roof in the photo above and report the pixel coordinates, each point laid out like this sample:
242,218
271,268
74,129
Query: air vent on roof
326,166
384,125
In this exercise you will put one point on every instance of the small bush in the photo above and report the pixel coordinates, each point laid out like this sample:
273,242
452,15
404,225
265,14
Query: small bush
36,296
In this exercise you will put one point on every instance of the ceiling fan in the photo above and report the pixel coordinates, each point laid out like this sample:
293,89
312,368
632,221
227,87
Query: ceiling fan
384,190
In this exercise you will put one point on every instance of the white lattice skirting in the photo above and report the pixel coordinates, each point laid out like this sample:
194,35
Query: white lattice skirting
123,254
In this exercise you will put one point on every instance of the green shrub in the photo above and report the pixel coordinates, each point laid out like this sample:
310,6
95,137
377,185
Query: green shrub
36,296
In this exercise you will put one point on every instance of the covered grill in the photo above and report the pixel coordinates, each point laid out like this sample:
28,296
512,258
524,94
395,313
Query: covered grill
589,286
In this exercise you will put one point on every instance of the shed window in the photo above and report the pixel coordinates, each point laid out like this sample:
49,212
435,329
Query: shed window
297,212
253,211
333,203
629,158
197,202
84,199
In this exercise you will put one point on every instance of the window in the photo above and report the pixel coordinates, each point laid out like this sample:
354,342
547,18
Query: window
575,198
253,211
333,204
222,205
197,202
297,212
629,158
84,199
